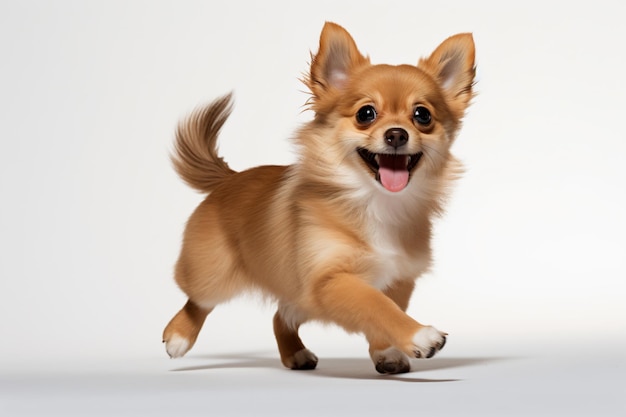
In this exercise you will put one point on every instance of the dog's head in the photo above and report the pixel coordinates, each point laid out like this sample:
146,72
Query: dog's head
386,122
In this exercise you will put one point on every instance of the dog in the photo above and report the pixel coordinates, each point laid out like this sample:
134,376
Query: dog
341,235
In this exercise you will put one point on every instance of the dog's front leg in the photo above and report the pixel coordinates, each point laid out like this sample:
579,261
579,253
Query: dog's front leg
388,359
352,303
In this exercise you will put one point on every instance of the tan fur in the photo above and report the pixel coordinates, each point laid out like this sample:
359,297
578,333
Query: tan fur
323,237
196,144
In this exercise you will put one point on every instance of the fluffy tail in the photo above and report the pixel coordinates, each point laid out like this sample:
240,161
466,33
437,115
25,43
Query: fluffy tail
195,156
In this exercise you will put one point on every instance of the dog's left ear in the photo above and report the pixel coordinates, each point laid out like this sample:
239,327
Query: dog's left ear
452,65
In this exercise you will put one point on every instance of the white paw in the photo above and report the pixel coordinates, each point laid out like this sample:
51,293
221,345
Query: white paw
428,341
391,361
176,346
303,359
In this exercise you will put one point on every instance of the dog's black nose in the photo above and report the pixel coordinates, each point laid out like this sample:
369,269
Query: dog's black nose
396,137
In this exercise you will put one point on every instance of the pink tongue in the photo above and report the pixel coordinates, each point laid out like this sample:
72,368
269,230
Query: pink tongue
392,171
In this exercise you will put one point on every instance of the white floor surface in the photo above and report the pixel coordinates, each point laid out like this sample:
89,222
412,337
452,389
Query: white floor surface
503,381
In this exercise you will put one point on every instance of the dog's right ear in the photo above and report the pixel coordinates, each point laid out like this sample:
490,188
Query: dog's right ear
337,57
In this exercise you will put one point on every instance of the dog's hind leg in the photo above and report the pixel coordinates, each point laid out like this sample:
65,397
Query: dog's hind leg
182,331
207,273
293,353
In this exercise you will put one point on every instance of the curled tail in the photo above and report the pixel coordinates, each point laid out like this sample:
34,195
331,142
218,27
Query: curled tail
195,156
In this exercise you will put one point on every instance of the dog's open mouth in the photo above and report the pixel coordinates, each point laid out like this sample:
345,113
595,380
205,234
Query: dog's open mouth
391,170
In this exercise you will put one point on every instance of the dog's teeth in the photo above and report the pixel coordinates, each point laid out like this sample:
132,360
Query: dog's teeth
377,158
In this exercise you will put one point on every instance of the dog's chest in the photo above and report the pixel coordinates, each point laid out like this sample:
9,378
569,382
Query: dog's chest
392,233
391,259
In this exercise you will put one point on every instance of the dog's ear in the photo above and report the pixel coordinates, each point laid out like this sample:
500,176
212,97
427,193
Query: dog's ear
337,57
452,65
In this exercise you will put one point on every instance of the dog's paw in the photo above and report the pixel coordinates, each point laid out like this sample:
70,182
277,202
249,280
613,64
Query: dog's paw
176,346
428,341
391,361
302,360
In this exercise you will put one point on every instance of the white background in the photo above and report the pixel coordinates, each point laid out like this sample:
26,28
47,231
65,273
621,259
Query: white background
529,257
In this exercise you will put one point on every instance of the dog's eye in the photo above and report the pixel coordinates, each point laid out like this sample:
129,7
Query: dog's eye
366,115
422,115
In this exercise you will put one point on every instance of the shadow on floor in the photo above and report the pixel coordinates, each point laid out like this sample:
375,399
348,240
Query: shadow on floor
349,368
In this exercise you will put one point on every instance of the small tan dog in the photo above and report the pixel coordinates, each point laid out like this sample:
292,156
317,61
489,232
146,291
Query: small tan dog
342,235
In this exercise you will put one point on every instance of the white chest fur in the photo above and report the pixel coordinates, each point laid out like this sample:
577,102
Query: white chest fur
388,219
